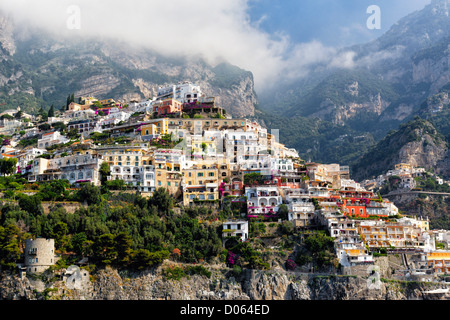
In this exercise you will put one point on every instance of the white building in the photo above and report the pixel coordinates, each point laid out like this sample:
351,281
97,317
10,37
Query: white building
233,228
186,92
27,155
147,178
142,106
301,210
262,200
350,250
50,139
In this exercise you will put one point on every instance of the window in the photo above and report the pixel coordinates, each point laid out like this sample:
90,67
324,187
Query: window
200,174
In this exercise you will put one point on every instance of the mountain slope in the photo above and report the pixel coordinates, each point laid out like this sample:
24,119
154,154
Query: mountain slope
390,79
45,69
416,142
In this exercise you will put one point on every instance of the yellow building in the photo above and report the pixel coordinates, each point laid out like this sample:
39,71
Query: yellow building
78,107
387,235
201,182
439,261
154,128
169,164
204,146
88,100
107,102
403,166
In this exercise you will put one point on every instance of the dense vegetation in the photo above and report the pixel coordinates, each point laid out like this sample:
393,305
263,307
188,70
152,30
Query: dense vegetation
319,140
125,230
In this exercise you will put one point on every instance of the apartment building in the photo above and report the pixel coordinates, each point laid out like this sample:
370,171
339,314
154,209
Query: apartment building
263,200
51,138
350,249
125,163
380,234
439,261
76,168
200,182
169,164
235,228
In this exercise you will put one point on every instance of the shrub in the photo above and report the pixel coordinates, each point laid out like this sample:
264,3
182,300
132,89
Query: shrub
290,264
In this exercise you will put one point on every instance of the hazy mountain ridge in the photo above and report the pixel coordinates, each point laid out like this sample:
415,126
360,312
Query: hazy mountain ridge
39,69
389,80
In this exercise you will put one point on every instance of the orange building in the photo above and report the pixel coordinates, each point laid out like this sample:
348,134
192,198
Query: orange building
169,106
355,208
439,261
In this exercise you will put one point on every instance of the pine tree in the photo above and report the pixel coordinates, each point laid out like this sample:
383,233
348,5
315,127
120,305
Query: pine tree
51,112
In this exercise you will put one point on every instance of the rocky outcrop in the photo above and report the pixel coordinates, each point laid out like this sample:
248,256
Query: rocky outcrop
7,43
417,143
256,285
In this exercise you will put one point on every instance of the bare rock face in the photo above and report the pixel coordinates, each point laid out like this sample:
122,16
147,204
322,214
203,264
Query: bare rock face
341,113
434,71
255,285
7,42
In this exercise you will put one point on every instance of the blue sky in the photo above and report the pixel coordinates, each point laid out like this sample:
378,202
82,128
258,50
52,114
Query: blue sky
332,22
275,39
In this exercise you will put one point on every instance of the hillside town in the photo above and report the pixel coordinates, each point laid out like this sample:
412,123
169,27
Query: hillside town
184,142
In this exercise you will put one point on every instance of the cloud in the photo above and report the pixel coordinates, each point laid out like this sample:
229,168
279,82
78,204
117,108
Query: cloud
216,30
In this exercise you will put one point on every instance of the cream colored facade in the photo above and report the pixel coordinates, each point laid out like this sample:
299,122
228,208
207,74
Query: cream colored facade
201,182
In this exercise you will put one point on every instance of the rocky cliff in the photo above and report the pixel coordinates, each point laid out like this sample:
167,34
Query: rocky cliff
416,142
255,285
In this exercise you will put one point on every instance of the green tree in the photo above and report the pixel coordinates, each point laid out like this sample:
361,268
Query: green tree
283,211
55,190
105,249
18,115
144,258
51,112
9,247
321,247
124,244
73,134
89,193
78,243
8,166
105,172
31,204
59,233
162,200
